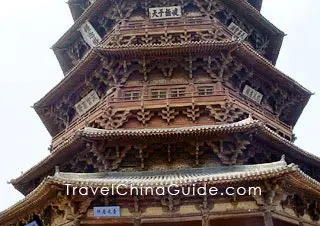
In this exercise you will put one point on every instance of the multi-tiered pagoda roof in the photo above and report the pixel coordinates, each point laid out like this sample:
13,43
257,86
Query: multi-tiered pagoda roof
163,92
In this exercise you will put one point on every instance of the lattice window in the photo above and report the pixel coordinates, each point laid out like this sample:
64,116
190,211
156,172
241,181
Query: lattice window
178,92
205,90
131,95
158,94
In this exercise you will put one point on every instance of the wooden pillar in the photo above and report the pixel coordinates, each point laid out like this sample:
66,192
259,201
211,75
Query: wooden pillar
136,222
268,221
205,220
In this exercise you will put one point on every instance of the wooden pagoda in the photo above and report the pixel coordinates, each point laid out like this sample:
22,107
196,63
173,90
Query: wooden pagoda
160,92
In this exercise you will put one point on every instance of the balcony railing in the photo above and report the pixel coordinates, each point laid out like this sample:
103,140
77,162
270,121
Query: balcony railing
148,102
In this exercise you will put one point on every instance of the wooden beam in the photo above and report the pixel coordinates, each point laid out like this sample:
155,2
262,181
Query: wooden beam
205,220
136,222
268,221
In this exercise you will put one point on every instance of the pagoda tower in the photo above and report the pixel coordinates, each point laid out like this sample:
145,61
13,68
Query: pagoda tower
170,92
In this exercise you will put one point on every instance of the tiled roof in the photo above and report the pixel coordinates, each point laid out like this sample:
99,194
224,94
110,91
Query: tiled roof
195,47
135,50
217,175
80,20
267,131
212,176
252,12
154,49
97,134
243,125
262,61
257,4
243,6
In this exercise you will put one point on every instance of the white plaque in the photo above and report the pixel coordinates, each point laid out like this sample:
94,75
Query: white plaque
237,31
86,103
165,12
252,94
106,211
89,34
33,223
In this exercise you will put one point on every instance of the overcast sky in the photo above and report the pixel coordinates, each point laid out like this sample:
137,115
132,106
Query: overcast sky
29,69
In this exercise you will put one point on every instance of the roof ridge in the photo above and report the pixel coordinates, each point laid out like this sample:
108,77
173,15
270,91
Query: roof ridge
247,121
281,139
253,172
280,164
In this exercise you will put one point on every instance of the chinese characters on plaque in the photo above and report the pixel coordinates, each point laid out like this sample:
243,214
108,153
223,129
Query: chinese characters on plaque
252,94
165,12
237,31
89,34
106,211
86,103
33,223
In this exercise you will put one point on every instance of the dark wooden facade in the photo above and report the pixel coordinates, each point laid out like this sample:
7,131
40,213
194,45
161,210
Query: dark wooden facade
172,107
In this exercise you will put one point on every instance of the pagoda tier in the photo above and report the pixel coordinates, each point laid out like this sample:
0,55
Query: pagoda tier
288,197
93,150
186,65
78,7
105,19
167,92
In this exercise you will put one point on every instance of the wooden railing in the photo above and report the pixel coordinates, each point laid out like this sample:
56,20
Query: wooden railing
148,102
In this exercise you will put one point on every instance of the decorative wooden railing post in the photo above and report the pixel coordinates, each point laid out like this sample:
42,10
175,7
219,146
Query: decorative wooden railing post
267,216
205,220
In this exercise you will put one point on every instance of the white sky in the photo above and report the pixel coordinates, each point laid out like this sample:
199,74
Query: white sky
29,69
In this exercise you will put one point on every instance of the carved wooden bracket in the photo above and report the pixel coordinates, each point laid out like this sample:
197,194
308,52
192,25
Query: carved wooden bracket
225,112
111,118
272,194
168,114
230,152
170,203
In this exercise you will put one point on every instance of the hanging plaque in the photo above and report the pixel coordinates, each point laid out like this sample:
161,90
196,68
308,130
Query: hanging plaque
33,223
237,31
86,103
89,34
106,211
252,94
165,12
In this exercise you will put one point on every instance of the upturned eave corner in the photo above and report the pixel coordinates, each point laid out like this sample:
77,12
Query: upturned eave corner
157,93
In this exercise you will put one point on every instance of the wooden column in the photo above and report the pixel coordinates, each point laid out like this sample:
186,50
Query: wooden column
136,222
268,221
76,222
205,220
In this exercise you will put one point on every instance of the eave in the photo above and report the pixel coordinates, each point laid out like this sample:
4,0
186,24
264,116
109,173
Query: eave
90,11
216,176
242,7
76,13
71,145
251,13
75,10
92,59
257,4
